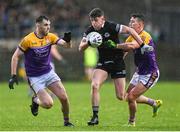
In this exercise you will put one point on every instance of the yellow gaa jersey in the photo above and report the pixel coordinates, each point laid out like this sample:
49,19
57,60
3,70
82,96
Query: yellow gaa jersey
146,63
37,53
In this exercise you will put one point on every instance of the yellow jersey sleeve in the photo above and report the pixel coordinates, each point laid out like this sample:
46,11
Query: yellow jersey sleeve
129,39
24,44
54,38
145,37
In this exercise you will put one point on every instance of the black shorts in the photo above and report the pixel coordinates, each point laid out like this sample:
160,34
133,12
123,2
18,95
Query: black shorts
116,69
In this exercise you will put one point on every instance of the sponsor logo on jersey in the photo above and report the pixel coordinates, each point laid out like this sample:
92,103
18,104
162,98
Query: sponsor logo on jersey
33,43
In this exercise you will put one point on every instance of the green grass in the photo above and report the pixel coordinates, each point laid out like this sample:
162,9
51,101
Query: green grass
15,113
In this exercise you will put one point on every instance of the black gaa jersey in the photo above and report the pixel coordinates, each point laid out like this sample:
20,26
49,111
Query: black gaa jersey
109,31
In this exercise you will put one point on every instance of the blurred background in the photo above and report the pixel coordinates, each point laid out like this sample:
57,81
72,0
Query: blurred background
17,18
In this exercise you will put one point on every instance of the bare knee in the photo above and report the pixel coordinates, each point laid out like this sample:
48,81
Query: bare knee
95,87
47,104
131,97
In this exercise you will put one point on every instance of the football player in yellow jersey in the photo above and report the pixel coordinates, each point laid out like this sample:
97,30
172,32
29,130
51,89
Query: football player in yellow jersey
147,71
36,48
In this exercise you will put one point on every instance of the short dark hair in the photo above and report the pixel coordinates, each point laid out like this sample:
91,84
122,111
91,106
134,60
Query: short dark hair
41,18
140,16
96,12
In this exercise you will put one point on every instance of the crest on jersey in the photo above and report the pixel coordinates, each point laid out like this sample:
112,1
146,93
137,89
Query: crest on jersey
106,35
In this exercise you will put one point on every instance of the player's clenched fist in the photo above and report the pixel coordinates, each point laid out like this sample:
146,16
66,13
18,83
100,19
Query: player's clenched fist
67,37
13,80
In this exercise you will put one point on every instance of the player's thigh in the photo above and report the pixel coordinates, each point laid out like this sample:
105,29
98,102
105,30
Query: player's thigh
58,89
120,85
130,87
99,76
133,82
138,90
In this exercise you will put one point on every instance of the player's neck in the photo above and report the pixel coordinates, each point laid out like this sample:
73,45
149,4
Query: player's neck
38,34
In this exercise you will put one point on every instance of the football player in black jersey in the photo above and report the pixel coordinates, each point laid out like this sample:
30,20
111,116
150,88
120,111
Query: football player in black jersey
110,58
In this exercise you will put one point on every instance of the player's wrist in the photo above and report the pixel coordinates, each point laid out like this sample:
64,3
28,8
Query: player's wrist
142,45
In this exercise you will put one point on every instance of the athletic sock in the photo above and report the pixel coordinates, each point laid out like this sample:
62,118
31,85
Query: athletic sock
95,111
151,102
66,119
131,118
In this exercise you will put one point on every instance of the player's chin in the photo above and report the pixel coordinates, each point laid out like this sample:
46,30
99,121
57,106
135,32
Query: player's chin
46,33
97,28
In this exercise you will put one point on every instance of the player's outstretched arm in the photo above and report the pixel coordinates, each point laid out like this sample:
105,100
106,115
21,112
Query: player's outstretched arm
66,40
127,46
55,53
144,48
14,63
128,30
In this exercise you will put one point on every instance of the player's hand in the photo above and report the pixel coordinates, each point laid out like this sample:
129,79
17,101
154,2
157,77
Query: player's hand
67,37
63,62
146,48
13,80
110,44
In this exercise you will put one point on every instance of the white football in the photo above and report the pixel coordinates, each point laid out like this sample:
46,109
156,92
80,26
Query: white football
95,39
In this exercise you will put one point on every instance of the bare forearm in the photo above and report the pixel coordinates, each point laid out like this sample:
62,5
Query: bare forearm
126,29
136,36
64,43
126,46
14,63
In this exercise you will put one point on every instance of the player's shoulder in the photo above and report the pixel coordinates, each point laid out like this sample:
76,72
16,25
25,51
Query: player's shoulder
52,34
146,37
29,36
110,24
146,34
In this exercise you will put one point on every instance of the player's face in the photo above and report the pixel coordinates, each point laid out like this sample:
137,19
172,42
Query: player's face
135,24
97,22
44,27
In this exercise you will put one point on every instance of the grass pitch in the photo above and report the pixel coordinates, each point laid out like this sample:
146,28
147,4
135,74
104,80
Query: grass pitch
15,111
